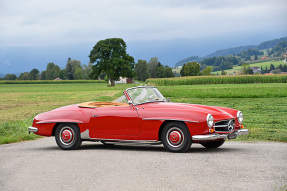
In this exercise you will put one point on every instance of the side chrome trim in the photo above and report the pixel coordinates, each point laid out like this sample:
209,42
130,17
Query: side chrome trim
161,119
32,129
85,135
41,122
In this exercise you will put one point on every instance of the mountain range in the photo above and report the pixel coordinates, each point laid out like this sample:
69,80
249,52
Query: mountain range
230,51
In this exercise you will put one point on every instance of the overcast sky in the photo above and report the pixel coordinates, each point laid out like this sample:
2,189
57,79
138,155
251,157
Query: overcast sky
44,23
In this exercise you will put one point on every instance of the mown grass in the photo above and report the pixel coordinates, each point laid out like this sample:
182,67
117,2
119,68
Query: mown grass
264,105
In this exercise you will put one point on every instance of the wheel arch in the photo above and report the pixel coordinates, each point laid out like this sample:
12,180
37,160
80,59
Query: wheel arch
59,123
165,123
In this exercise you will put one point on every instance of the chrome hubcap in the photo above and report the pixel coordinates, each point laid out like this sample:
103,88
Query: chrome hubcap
67,135
175,137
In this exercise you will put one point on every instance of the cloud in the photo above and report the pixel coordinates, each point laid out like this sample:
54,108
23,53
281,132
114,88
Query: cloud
51,22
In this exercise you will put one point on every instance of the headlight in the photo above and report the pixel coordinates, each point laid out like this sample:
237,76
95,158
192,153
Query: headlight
239,117
209,120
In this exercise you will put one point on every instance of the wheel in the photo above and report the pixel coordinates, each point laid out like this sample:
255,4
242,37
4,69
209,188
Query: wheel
176,137
68,136
213,144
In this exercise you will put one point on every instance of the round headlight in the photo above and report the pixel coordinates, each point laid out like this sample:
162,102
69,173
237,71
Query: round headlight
240,117
209,120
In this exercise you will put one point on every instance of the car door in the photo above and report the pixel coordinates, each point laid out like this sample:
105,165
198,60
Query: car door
120,120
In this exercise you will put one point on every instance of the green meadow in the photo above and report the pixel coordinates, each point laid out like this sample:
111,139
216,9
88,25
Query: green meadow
264,105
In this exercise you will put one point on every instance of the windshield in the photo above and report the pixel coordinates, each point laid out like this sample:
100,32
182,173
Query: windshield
144,94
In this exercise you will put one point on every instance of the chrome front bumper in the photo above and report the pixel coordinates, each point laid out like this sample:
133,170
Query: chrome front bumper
32,129
216,136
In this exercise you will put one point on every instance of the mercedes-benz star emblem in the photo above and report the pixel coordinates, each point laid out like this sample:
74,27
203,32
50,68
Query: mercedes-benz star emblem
230,125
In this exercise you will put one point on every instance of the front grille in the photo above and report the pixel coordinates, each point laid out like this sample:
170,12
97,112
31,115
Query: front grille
224,126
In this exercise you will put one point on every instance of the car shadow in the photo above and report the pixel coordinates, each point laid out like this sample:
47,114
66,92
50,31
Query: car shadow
142,148
155,148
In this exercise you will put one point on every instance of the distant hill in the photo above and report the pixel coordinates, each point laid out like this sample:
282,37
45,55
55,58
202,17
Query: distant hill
230,51
186,60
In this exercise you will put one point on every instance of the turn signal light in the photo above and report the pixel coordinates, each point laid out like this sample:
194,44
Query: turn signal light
211,130
242,126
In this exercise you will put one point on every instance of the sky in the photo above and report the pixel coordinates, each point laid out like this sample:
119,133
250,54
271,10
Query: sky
36,32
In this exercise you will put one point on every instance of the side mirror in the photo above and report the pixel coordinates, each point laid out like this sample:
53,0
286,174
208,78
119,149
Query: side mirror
168,99
130,102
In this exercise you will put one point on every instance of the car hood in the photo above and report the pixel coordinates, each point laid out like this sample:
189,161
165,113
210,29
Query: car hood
217,112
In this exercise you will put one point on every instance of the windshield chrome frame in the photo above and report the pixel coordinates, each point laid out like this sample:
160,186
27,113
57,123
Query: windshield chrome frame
127,94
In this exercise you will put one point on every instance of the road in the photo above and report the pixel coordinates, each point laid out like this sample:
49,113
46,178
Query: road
41,165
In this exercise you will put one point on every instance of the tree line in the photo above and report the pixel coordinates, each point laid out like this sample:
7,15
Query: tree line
152,69
73,70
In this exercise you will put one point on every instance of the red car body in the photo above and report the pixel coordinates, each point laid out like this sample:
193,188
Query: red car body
150,121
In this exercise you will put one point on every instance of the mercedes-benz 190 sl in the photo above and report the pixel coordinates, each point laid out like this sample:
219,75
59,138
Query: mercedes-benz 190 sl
145,117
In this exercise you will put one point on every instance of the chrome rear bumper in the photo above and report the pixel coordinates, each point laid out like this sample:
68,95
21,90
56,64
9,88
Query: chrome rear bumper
32,129
215,136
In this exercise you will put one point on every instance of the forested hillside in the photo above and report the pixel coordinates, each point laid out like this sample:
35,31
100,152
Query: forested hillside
244,51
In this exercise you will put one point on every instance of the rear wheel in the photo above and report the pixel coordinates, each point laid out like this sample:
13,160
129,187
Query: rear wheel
68,136
213,144
176,137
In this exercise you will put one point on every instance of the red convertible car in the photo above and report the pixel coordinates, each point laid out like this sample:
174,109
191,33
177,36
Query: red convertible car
146,117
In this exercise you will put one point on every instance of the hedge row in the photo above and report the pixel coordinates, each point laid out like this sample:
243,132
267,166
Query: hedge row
49,81
236,79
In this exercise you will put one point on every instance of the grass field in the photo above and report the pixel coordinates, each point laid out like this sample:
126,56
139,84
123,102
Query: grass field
264,105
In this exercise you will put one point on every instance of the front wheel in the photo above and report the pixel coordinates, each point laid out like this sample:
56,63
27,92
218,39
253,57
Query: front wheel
68,136
176,137
213,144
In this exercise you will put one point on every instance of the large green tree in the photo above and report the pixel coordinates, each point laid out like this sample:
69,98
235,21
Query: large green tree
190,69
111,58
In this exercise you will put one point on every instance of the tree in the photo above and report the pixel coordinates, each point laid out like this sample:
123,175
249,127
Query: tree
43,75
141,70
87,69
71,67
167,73
223,72
247,70
190,69
272,67
34,74
160,71
256,57
63,74
78,74
24,76
52,71
153,64
207,71
111,58
10,77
